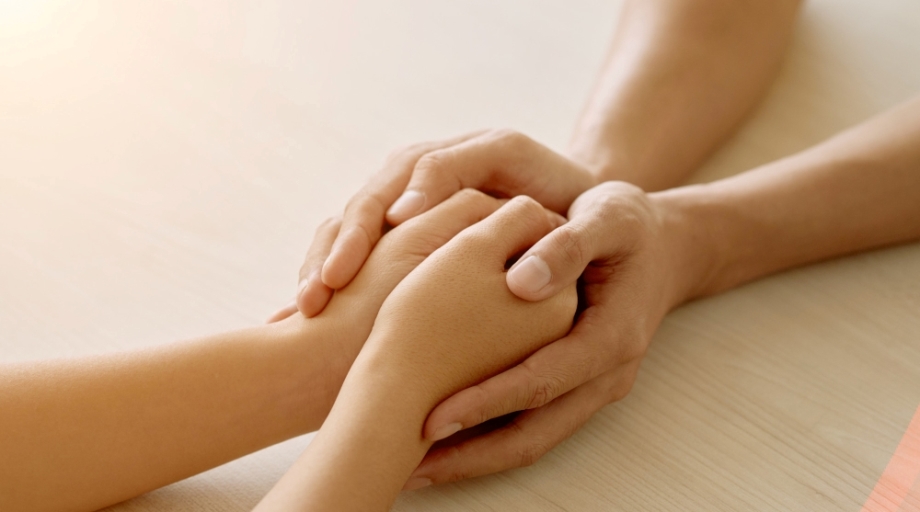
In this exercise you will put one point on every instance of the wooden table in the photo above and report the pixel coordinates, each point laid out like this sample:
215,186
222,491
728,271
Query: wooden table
163,166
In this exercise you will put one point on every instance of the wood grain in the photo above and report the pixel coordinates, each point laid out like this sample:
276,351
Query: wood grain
163,166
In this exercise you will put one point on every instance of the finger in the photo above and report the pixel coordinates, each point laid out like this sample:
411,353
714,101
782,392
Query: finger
531,435
282,313
515,226
610,333
312,294
501,162
363,221
545,375
426,233
602,225
408,245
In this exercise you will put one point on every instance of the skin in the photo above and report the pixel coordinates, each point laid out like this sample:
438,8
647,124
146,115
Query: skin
451,323
641,255
81,434
679,74
67,447
678,78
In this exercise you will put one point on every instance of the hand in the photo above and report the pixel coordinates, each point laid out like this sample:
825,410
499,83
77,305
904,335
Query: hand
449,324
352,312
453,322
415,179
629,249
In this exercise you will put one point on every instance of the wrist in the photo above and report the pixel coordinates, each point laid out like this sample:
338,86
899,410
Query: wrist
601,165
313,361
692,242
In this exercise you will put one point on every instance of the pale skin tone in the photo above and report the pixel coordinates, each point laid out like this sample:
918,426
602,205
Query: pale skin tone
425,346
642,255
642,252
85,433
71,449
678,78
632,75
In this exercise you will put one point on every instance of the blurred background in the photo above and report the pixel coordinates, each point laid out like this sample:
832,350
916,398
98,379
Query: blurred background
158,155
163,164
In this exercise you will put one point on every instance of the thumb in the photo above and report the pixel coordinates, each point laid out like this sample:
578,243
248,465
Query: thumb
554,262
606,221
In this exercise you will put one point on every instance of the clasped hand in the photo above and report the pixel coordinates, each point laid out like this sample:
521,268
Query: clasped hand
626,248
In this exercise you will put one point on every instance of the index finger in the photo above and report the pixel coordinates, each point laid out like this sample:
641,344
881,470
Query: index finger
363,221
548,373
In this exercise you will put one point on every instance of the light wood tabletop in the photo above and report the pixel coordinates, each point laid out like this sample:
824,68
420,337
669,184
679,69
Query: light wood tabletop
163,166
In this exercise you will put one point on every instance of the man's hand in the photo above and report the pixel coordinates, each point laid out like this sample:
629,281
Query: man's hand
629,250
503,163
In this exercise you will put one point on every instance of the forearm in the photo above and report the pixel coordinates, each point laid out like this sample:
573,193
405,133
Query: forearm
367,448
678,78
450,324
372,440
86,433
857,191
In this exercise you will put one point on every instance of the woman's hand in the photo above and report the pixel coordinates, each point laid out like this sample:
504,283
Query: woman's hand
449,324
632,256
414,180
351,314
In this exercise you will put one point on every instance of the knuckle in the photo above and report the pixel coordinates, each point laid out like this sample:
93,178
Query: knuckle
531,452
470,195
434,162
485,410
620,391
527,205
461,463
511,139
620,188
364,203
406,150
457,475
623,347
572,244
329,224
544,386
624,204
632,346
544,391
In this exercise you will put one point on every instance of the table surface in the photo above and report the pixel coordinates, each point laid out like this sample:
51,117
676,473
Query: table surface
163,166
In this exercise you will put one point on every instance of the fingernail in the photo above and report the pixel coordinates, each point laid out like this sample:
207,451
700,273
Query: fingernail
531,275
416,483
407,205
446,431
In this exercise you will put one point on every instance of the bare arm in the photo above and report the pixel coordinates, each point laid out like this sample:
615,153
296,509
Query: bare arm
679,77
449,324
641,255
83,434
857,191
